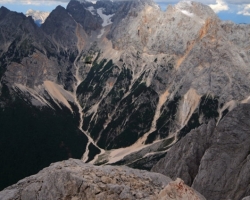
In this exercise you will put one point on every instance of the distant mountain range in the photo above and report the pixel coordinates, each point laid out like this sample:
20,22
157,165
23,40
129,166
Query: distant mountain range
124,83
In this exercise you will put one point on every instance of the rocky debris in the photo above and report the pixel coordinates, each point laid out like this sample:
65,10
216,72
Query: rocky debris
178,190
73,179
214,160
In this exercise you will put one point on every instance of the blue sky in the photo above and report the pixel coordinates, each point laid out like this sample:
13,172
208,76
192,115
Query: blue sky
234,10
23,6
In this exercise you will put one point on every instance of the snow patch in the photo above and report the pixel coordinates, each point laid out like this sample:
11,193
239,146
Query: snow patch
84,1
184,4
101,34
184,7
187,13
92,10
106,18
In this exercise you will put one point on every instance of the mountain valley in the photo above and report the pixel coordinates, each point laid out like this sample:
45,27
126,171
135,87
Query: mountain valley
124,83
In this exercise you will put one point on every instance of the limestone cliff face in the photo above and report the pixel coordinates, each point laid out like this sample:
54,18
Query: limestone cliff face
214,159
170,72
74,179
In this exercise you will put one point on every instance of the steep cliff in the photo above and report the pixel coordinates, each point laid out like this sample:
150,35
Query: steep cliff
212,159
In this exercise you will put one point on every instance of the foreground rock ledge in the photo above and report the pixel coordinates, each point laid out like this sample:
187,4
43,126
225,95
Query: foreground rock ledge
73,179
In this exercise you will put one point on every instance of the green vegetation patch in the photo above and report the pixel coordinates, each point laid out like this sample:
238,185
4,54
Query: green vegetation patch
132,119
166,120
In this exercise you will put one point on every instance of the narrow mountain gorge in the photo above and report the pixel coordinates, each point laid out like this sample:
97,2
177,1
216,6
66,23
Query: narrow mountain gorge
124,83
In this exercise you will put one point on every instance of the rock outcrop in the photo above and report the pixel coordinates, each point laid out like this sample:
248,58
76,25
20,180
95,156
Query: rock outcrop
73,179
214,160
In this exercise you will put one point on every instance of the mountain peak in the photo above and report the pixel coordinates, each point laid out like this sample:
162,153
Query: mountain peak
4,8
195,9
3,11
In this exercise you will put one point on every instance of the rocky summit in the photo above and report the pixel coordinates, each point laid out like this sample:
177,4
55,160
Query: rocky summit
73,179
124,83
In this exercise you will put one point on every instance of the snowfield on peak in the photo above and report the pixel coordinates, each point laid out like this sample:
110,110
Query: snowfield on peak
83,1
106,18
185,12
92,10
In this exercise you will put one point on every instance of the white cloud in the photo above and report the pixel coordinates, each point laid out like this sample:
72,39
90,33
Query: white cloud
219,6
176,1
239,2
37,15
245,11
34,2
160,1
216,5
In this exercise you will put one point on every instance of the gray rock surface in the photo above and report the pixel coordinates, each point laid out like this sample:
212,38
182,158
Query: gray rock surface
78,11
171,63
73,179
214,160
29,56
183,159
